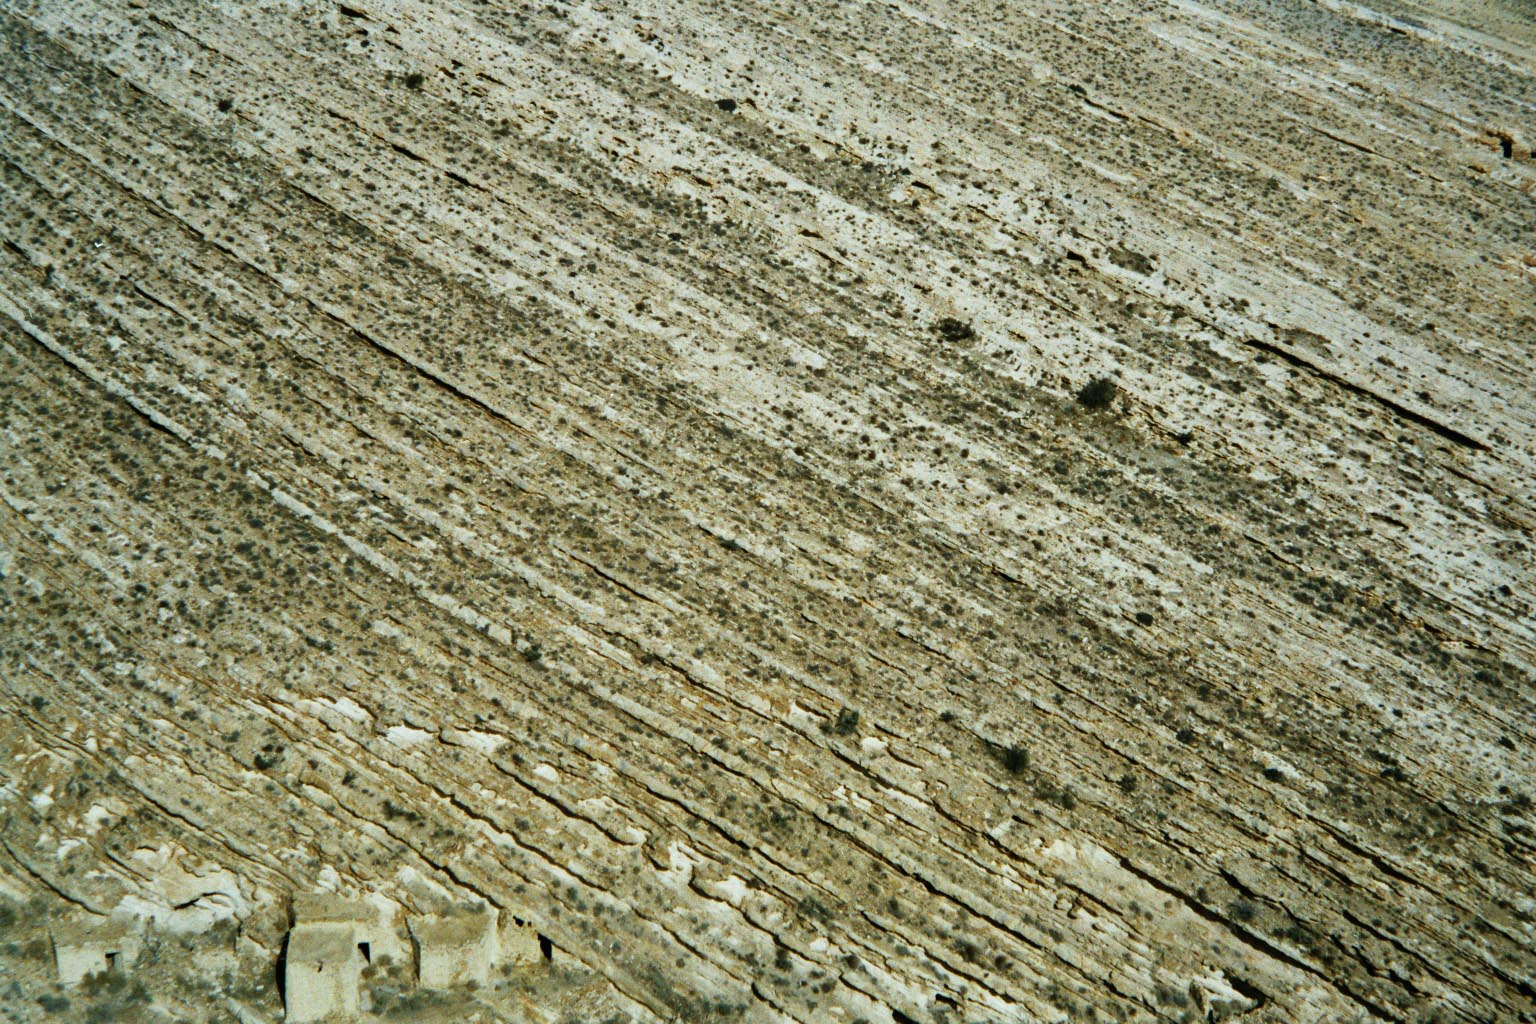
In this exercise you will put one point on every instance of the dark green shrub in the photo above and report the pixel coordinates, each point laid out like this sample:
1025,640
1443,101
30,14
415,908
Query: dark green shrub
1015,758
1053,792
951,330
1099,393
52,1003
845,724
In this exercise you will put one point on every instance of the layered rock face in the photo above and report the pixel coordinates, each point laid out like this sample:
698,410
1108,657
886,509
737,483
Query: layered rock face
915,512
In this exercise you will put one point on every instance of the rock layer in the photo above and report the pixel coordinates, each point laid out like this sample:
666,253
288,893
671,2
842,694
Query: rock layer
626,464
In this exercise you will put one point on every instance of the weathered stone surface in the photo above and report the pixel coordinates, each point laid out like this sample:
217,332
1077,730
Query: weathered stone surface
518,942
84,945
935,511
456,948
374,922
323,969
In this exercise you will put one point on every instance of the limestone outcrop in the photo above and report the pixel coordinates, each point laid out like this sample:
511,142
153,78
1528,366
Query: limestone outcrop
919,512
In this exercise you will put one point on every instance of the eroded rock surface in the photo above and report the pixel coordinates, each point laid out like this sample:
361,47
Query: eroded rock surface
936,512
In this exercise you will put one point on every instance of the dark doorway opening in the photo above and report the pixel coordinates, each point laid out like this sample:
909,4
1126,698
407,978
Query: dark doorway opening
282,972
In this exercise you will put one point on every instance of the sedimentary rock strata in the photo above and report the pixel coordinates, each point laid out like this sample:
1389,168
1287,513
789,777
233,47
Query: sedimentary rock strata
911,512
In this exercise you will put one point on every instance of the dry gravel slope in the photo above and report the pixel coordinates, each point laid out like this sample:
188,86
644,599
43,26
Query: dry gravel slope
460,447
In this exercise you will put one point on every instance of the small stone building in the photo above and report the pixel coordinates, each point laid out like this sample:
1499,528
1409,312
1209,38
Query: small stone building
323,972
372,931
456,948
85,945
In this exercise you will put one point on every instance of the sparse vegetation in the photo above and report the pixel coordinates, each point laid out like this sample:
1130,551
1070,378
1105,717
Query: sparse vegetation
1053,792
543,404
112,995
1299,934
52,1003
811,907
1099,393
1014,757
952,331
394,1001
393,811
845,724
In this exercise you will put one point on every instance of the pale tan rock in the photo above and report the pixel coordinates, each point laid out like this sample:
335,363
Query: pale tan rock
456,948
84,945
936,511
323,973
518,941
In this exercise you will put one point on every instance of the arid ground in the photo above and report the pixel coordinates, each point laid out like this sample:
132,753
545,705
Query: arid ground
920,512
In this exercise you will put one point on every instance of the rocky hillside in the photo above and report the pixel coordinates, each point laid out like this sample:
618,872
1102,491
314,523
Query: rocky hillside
929,511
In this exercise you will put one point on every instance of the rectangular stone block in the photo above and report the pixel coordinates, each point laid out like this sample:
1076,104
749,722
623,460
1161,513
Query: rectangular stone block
84,946
456,948
323,972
